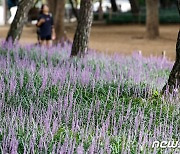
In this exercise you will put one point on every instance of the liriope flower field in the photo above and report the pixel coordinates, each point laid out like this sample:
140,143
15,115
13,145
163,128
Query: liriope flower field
98,104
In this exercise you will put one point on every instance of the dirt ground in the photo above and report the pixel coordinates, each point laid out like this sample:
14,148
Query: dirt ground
123,39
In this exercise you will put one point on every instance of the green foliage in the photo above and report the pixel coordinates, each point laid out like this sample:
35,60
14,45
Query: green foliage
92,103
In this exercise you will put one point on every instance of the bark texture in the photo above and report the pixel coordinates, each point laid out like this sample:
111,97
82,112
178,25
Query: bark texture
80,43
152,19
174,78
16,27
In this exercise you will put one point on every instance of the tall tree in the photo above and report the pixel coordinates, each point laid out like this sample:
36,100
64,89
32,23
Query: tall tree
59,21
57,8
114,6
174,78
16,28
134,7
152,18
80,43
52,5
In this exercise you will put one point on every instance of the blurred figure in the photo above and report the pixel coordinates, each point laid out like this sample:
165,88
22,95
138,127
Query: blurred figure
119,8
12,6
46,31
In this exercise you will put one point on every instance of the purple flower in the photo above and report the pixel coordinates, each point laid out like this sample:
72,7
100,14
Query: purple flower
80,149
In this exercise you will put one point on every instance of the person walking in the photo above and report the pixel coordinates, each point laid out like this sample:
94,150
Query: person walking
46,31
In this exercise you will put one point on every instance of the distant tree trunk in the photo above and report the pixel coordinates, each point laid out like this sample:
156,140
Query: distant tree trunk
76,3
4,4
57,8
59,21
74,9
100,10
174,78
20,18
33,14
152,19
52,6
114,6
80,43
134,7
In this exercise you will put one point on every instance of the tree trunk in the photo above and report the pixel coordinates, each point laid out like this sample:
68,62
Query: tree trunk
57,8
76,3
134,7
114,6
80,43
20,18
74,9
59,21
52,6
152,19
100,10
174,78
4,4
